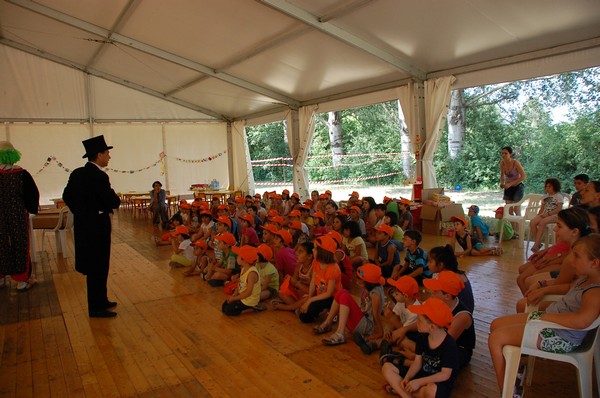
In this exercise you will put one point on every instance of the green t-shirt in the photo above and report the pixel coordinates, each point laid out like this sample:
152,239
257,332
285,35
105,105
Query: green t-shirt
509,232
269,270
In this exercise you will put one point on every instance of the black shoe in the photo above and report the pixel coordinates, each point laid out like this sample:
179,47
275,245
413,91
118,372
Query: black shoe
386,347
102,314
364,345
216,283
110,304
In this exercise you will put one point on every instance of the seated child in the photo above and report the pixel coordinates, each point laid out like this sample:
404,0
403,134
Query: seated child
326,280
220,271
362,321
391,219
318,228
269,277
433,371
285,257
402,321
202,259
480,228
294,289
580,181
247,295
343,260
249,235
576,310
502,224
470,245
442,258
206,226
405,218
415,260
356,248
551,204
183,252
388,255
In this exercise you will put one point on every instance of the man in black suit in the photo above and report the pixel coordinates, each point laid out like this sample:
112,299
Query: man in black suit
91,200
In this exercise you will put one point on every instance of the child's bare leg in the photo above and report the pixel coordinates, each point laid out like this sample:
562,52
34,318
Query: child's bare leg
291,306
219,275
508,320
265,294
391,374
500,337
521,279
533,279
525,266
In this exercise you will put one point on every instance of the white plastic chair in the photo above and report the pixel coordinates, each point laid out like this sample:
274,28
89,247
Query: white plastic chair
534,202
550,235
582,358
63,225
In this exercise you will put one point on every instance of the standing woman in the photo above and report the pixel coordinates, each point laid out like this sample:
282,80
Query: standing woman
19,197
512,176
158,205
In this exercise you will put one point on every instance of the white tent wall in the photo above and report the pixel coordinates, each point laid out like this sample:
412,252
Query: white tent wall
137,149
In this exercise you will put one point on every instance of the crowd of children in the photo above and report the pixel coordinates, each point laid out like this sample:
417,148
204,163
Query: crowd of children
415,308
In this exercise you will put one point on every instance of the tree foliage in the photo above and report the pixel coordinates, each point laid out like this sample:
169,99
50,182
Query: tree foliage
517,114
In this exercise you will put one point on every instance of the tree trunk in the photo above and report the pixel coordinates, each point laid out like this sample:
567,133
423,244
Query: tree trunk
335,136
406,144
456,123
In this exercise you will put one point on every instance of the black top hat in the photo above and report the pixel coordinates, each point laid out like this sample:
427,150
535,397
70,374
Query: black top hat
95,145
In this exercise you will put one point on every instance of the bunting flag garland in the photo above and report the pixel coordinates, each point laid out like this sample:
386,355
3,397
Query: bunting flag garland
355,179
161,160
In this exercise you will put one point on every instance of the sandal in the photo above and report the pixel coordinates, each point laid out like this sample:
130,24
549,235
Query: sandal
537,248
387,388
24,286
322,328
334,339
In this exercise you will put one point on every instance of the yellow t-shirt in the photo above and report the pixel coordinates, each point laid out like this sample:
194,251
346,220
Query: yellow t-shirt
254,298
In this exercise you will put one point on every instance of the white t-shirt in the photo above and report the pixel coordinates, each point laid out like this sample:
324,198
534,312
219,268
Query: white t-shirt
187,249
406,317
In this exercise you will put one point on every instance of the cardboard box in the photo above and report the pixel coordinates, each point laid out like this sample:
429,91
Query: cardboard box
432,217
427,194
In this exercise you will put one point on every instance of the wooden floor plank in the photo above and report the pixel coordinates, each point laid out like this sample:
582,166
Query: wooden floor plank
171,340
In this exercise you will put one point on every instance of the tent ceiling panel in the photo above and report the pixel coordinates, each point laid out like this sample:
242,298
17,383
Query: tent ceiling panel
116,102
47,34
315,65
209,32
265,54
142,68
225,98
101,13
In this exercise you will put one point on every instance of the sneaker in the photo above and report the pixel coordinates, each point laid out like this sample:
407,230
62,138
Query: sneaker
364,345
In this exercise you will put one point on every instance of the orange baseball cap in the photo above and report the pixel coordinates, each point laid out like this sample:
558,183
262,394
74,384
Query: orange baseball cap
336,236
319,214
446,281
295,213
323,196
386,200
222,207
434,309
385,228
461,219
326,243
182,201
285,236
247,253
181,229
270,227
196,203
227,237
225,220
257,196
295,225
355,208
206,213
201,243
265,251
309,202
343,212
286,191
239,199
295,195
404,201
185,205
305,208
354,193
278,220
272,213
370,273
500,209
405,284
247,217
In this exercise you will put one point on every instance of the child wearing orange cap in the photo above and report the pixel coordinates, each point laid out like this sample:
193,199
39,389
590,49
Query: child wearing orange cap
249,235
294,290
247,295
318,228
405,218
269,277
470,244
331,209
354,213
285,257
442,258
433,371
502,224
402,321
202,259
296,229
362,321
222,269
326,280
183,252
446,287
388,255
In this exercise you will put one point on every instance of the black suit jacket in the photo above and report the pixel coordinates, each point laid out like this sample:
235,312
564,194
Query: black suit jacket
91,199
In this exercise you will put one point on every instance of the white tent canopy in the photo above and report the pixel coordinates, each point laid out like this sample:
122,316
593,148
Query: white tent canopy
173,77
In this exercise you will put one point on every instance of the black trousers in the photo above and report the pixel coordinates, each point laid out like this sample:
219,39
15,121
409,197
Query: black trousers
314,309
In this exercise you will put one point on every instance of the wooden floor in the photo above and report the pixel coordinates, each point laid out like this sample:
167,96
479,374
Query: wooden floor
171,340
